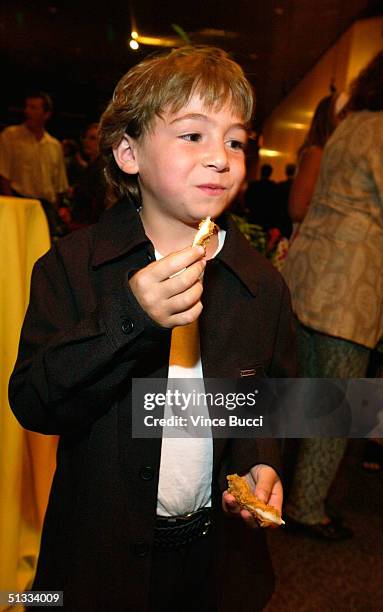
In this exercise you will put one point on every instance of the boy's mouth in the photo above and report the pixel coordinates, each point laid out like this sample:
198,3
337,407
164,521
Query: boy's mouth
212,189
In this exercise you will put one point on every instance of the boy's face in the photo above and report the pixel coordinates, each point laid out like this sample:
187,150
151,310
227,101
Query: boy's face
191,164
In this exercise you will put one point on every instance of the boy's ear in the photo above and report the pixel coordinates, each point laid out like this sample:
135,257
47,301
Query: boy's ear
125,155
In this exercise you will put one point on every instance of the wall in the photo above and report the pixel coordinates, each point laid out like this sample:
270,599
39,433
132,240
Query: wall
285,129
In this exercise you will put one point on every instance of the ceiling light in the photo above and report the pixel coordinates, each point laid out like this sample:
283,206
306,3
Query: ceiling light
157,41
269,153
292,125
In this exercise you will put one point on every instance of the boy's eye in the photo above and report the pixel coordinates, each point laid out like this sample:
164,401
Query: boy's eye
237,144
194,137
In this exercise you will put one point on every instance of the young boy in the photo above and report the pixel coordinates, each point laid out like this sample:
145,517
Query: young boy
146,524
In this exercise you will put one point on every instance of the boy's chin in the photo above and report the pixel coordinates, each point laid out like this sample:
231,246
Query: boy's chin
207,211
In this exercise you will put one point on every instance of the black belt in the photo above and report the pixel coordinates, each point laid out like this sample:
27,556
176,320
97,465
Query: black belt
176,531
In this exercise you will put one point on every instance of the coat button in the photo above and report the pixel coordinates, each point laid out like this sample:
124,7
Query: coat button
127,326
141,548
147,473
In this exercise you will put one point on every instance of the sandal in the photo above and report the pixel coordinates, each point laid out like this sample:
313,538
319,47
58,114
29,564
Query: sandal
372,459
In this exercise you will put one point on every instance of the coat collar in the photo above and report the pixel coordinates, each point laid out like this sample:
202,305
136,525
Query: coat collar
238,255
120,231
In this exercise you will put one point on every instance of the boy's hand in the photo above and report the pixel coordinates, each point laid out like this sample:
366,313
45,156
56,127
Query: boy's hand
266,485
169,290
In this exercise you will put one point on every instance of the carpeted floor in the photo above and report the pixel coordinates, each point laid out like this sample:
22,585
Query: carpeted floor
316,576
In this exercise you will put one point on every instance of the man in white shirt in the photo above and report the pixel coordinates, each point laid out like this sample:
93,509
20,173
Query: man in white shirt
31,160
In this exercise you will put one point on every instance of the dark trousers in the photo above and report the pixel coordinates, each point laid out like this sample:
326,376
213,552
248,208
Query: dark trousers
182,579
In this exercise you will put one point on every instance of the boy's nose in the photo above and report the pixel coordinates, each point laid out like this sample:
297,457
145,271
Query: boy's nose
217,159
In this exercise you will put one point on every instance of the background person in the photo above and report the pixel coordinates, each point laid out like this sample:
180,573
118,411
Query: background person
75,164
261,199
284,189
32,162
89,192
327,116
334,271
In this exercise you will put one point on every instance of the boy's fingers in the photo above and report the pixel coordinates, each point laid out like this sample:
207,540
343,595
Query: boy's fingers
268,487
185,318
176,262
249,519
276,497
229,504
231,507
149,290
263,490
183,301
184,280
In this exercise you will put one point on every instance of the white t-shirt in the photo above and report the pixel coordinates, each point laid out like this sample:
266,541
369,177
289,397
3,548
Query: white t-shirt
186,463
35,168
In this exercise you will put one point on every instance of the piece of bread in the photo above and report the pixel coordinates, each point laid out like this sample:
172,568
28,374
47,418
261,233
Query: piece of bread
206,230
264,514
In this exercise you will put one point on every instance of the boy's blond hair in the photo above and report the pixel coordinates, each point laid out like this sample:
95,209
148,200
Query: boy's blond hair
168,82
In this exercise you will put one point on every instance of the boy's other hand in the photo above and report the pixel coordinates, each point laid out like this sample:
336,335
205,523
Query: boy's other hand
170,289
266,485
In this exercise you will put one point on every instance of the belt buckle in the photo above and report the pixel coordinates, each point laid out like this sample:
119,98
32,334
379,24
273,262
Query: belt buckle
188,516
184,517
184,530
179,517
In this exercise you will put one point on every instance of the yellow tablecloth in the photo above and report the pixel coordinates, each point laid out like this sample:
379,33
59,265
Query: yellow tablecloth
26,459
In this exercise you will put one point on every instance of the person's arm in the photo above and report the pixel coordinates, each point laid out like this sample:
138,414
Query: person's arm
265,452
374,155
69,368
5,163
61,185
304,183
284,357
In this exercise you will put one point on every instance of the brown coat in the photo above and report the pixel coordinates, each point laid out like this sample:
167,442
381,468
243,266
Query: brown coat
83,339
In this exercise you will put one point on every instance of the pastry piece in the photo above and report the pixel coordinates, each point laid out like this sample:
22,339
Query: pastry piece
206,229
264,514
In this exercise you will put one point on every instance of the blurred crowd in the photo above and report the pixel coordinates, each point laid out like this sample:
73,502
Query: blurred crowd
67,176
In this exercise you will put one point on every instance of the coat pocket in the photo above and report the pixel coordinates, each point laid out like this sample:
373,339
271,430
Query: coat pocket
257,371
